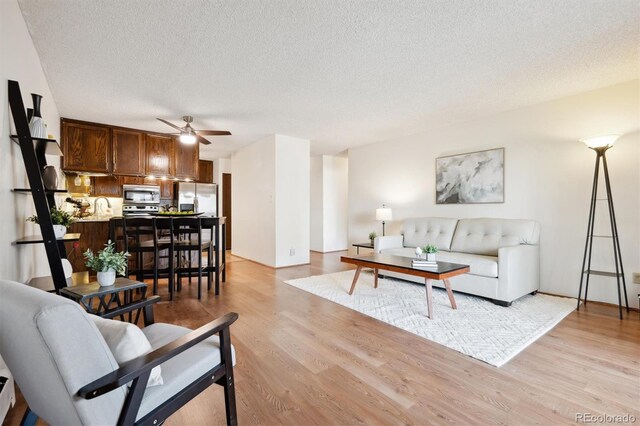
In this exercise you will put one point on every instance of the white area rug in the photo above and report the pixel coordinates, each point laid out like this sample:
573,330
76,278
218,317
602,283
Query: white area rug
478,328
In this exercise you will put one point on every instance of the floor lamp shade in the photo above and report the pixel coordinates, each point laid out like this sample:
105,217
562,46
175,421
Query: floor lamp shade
605,141
383,214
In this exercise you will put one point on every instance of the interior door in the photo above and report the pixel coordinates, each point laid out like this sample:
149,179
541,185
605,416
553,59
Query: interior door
226,205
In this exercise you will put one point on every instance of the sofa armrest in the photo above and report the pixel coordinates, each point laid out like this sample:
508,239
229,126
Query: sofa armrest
518,271
387,242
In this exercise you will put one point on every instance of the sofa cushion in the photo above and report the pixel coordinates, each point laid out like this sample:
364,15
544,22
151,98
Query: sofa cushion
486,266
183,369
420,231
485,236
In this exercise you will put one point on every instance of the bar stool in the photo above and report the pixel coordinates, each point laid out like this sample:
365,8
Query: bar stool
189,241
215,250
139,237
164,239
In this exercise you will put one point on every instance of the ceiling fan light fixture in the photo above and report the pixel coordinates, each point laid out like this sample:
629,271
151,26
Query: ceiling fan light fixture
188,138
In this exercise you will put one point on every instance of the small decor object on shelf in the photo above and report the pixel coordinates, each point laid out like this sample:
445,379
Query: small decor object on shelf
107,263
36,124
372,237
50,177
61,221
430,250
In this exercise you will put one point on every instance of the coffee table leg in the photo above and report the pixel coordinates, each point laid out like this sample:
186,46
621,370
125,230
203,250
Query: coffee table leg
427,284
375,278
447,285
355,279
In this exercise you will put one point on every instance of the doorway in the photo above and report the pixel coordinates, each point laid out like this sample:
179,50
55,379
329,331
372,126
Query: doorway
226,206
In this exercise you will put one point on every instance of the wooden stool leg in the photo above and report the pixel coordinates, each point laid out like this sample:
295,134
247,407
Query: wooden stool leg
375,278
427,284
447,285
355,279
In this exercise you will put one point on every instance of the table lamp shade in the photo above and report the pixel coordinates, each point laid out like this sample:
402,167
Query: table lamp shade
600,141
383,213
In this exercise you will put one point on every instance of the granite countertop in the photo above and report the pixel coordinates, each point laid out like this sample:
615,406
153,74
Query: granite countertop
95,219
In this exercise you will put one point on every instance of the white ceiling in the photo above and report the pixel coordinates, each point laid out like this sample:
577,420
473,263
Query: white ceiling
341,73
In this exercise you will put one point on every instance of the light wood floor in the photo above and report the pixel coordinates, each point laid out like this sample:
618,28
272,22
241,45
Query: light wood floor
303,360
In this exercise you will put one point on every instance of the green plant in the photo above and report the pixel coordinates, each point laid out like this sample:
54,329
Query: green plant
372,236
58,217
430,248
106,259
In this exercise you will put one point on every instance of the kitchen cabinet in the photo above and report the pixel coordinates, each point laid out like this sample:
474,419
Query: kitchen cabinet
86,147
107,186
166,189
135,180
94,235
159,155
186,160
205,171
128,152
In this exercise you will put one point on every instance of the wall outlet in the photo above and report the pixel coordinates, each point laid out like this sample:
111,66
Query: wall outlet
636,277
292,251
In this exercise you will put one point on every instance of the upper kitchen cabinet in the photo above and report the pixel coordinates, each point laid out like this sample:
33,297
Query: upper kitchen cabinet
86,147
186,160
205,171
128,152
160,155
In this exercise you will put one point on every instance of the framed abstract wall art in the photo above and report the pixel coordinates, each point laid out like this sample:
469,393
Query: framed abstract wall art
472,178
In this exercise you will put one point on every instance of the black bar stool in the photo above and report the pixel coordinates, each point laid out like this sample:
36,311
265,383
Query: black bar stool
215,250
163,238
139,237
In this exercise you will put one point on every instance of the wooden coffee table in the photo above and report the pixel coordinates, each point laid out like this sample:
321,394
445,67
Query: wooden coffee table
443,271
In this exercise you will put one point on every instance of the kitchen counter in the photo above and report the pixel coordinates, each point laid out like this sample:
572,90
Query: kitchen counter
95,219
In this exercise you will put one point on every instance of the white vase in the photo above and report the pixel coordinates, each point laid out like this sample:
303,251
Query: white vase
431,257
59,230
107,278
37,128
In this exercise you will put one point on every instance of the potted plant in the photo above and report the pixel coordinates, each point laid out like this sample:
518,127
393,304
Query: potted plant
107,263
372,236
430,250
60,218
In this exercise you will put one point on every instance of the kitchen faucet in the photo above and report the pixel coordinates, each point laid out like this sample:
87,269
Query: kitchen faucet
95,205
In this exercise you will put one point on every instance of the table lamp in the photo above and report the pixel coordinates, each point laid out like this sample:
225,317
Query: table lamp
383,213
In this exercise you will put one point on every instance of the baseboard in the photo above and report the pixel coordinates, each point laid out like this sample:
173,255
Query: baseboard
595,302
331,251
269,266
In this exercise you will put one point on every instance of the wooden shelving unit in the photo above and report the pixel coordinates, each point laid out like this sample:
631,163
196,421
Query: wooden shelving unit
34,152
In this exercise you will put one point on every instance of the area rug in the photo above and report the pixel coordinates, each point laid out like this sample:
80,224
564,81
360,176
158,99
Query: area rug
478,328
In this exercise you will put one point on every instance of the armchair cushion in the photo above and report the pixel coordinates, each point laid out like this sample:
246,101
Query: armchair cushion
181,370
126,342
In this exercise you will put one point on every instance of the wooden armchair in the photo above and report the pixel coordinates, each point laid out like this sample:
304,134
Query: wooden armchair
68,374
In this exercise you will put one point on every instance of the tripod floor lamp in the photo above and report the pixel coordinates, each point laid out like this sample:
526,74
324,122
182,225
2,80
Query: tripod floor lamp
600,145
383,214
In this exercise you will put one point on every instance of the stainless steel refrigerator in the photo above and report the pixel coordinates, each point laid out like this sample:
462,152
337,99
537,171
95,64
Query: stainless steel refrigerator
198,197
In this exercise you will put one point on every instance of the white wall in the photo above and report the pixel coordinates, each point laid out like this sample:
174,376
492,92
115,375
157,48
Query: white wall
329,203
271,201
19,61
548,176
253,198
316,242
292,200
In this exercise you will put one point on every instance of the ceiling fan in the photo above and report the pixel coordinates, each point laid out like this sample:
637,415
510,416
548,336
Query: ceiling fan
189,135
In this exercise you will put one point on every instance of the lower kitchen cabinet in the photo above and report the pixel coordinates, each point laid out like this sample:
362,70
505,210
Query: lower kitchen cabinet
94,236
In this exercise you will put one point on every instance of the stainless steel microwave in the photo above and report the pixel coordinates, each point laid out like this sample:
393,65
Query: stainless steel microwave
140,194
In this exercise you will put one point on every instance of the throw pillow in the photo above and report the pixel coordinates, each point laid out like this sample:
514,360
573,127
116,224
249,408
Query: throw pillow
126,342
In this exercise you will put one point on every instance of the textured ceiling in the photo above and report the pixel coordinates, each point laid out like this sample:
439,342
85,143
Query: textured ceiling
341,73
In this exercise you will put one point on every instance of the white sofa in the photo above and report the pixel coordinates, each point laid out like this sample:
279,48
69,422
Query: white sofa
503,254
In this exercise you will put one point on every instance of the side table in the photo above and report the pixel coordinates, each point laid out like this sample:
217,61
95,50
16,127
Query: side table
363,245
105,296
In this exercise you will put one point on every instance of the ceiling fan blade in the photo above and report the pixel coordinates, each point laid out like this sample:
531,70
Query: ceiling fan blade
170,124
214,132
202,140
